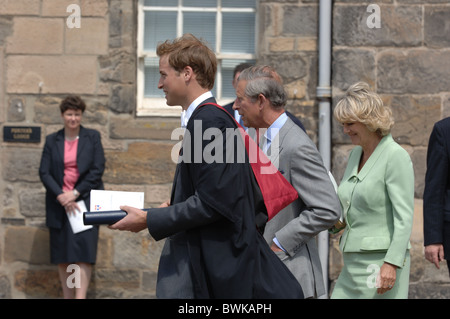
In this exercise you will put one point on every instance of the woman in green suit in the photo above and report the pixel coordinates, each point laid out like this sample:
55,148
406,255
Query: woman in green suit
377,198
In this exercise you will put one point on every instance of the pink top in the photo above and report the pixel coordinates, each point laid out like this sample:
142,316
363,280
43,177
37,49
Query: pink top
71,173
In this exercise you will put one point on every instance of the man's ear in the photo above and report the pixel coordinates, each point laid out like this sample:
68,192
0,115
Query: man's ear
262,101
188,73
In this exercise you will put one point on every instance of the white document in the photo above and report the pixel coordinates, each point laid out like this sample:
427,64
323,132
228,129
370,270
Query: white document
76,219
102,200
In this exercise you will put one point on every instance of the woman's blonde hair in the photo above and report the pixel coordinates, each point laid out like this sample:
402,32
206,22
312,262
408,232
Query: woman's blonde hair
361,104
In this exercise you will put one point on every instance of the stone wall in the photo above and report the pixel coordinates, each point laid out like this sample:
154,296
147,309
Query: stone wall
42,59
407,60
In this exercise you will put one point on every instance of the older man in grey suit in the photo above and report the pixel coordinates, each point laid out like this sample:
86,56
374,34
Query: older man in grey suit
292,233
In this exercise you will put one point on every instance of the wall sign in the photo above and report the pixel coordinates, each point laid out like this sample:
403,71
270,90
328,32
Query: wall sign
22,134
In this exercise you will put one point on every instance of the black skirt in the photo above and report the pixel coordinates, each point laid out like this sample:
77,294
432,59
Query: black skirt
67,247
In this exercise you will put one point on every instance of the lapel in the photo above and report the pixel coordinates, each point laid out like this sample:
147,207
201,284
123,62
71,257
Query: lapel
82,140
60,145
177,169
172,194
386,140
354,162
175,177
209,100
192,118
274,154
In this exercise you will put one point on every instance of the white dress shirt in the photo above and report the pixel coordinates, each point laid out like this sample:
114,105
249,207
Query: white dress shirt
186,114
272,132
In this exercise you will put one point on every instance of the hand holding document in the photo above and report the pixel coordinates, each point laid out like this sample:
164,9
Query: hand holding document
105,206
76,219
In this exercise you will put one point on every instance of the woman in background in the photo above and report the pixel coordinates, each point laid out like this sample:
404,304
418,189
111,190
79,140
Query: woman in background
72,164
377,199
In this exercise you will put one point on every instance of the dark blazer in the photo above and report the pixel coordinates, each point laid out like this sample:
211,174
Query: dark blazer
212,247
90,162
436,195
229,108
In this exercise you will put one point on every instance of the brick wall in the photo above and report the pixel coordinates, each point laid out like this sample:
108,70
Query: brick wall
42,59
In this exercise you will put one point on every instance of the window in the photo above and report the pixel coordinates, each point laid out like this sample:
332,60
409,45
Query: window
228,26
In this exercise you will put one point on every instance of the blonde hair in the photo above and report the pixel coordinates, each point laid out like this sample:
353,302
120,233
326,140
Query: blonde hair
361,104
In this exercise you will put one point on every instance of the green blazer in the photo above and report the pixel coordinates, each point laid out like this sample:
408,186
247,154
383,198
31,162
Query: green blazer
378,202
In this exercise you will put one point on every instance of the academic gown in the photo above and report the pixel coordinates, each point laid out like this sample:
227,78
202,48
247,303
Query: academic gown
213,247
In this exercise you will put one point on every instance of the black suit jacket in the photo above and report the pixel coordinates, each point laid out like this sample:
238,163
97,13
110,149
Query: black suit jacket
436,196
90,162
213,249
229,108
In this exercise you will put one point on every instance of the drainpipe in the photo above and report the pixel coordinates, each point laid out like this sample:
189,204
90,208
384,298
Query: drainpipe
323,93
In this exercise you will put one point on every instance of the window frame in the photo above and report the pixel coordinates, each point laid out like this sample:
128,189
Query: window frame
157,106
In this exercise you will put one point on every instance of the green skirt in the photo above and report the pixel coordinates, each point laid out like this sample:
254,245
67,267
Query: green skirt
358,276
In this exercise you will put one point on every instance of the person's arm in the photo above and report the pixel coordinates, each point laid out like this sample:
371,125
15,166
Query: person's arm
45,167
435,187
434,194
91,171
322,208
399,179
215,185
434,253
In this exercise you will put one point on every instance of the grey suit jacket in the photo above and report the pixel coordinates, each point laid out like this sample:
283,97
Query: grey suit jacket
317,208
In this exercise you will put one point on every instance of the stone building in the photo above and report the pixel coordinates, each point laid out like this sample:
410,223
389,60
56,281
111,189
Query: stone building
102,50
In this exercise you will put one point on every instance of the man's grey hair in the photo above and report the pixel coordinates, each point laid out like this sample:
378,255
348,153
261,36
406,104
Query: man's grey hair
263,79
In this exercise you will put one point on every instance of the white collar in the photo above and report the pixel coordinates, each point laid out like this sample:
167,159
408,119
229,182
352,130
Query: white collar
273,130
186,114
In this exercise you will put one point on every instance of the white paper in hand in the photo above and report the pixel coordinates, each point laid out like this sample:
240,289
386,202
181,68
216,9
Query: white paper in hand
76,219
103,200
